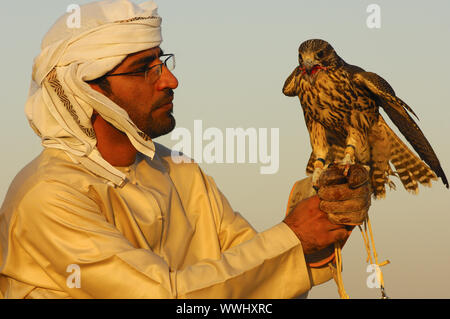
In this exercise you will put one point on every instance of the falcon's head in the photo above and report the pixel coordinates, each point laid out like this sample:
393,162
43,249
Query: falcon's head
314,56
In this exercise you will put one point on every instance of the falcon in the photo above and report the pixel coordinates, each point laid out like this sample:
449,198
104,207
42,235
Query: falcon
341,105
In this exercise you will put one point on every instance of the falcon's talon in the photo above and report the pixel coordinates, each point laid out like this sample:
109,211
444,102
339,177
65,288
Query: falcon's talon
347,167
347,161
315,177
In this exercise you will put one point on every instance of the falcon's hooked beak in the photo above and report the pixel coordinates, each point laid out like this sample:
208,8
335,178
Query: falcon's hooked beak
309,71
309,65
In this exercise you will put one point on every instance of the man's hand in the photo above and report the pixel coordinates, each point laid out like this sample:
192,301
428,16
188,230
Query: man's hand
345,198
312,226
322,220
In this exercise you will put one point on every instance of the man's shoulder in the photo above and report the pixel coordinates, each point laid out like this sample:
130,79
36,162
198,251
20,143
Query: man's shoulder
52,166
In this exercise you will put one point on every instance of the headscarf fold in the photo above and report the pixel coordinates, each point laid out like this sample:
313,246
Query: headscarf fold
60,102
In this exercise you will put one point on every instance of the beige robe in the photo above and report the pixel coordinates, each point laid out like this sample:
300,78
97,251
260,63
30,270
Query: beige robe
167,233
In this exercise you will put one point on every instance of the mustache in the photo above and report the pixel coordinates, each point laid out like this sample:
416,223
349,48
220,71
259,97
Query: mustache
165,99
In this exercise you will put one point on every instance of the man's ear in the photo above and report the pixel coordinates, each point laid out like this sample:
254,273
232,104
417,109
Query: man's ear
292,85
96,87
101,85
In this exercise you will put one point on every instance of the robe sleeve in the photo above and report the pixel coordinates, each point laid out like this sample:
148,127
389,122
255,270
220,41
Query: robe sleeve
59,227
284,272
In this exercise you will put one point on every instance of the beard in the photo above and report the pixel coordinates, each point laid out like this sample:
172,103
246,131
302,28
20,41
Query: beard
160,126
155,123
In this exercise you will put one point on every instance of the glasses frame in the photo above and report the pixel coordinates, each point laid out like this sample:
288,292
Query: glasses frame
169,56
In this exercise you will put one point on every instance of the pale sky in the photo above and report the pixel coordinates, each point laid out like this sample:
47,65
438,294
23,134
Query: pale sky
232,60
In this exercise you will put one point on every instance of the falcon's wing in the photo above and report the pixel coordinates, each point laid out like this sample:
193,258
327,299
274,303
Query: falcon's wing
396,109
291,86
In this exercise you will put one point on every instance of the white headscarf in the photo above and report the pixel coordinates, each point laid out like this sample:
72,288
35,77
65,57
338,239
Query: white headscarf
60,103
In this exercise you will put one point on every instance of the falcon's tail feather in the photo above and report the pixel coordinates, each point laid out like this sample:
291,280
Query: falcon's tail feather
418,141
379,178
410,168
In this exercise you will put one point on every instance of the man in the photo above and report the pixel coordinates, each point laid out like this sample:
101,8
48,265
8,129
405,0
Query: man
104,212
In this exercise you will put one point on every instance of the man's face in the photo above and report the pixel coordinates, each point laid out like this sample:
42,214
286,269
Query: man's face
149,105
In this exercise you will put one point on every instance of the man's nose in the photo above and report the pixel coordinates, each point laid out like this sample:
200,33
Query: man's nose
167,80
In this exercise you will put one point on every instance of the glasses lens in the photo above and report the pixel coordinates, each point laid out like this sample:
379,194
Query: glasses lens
170,62
154,73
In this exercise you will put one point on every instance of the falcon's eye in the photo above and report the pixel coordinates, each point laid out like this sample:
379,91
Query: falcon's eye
320,54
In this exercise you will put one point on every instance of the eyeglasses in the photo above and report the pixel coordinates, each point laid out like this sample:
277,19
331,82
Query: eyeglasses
153,73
